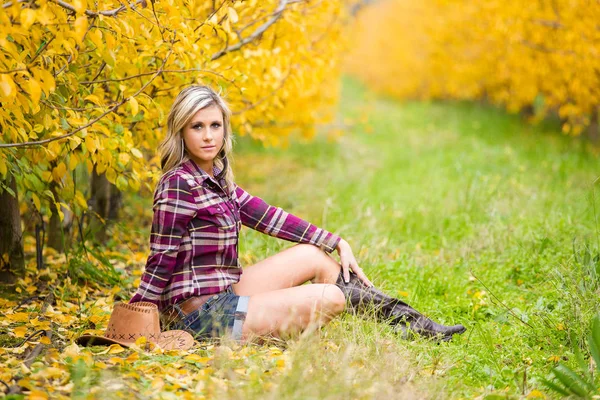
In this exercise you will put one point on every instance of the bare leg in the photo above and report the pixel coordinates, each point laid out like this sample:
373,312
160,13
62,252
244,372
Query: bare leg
292,267
279,305
285,312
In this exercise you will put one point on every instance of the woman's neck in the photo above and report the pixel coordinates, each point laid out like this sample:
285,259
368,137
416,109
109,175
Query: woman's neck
206,166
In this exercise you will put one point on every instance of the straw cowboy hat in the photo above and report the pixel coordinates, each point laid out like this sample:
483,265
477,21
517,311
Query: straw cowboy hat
128,322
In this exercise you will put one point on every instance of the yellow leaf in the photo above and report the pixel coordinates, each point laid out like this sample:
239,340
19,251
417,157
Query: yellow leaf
197,358
124,158
232,14
45,15
157,383
20,331
132,357
95,319
40,324
37,395
100,365
7,86
94,99
136,153
59,171
111,175
46,176
3,168
71,350
116,360
81,200
45,340
79,6
121,183
73,161
96,38
536,394
49,373
134,184
141,341
36,201
61,215
35,90
27,18
81,26
45,79
115,349
18,317
90,144
134,105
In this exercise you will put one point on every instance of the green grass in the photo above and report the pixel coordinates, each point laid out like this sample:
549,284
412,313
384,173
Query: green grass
470,215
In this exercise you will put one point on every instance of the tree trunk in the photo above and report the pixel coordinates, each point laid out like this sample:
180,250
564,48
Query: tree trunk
593,131
105,204
59,232
11,235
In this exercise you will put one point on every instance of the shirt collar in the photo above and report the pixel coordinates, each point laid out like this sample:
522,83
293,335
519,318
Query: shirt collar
201,175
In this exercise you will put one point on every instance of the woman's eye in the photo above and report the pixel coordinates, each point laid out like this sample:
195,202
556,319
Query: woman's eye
197,126
216,125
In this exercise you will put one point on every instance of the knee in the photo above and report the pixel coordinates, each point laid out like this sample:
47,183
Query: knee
309,250
334,299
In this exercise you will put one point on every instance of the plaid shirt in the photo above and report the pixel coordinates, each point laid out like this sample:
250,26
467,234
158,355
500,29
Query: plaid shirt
195,232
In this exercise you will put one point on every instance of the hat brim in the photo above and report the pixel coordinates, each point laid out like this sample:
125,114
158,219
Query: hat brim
168,340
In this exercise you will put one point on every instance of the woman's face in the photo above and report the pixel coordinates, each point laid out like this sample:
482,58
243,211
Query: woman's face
204,135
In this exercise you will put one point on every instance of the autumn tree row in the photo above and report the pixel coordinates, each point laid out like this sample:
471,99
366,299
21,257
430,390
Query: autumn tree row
537,57
85,87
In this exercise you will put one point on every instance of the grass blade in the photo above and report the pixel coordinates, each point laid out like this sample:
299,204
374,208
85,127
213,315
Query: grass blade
572,381
594,341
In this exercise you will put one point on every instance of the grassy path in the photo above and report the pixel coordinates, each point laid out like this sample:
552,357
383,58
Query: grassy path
470,215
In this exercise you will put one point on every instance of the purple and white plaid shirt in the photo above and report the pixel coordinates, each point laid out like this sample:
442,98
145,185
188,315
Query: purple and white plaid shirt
195,232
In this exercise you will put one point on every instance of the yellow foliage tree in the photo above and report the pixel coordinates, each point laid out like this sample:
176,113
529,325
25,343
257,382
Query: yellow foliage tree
90,83
542,57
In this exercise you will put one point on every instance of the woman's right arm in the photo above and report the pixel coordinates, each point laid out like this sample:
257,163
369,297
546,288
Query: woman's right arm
174,208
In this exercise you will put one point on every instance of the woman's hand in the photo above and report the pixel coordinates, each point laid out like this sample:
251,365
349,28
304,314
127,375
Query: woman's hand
348,261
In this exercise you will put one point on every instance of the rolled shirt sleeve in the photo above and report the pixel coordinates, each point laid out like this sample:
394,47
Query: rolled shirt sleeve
174,208
255,213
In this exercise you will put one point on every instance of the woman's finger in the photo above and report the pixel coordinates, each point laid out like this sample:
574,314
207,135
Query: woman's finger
346,271
361,275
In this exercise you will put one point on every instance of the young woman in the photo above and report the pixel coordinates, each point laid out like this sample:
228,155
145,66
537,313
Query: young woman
193,273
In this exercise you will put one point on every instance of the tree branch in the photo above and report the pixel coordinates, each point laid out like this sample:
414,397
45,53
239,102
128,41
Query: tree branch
150,73
89,13
259,31
112,109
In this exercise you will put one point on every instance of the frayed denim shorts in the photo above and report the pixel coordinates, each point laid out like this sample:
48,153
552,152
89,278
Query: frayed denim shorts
224,313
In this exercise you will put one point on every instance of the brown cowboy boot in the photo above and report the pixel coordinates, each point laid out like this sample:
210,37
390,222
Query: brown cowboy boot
391,310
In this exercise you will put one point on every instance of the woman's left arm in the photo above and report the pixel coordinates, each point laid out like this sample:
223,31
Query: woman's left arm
274,221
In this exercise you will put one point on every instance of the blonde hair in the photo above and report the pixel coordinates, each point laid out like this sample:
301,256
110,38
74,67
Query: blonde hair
187,103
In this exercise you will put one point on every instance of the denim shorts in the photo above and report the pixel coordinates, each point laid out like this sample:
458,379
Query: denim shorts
223,313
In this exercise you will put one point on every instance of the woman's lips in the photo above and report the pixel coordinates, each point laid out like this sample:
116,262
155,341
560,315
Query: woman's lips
208,147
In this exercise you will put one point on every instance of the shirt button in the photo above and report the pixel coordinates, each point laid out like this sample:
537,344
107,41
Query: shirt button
216,296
